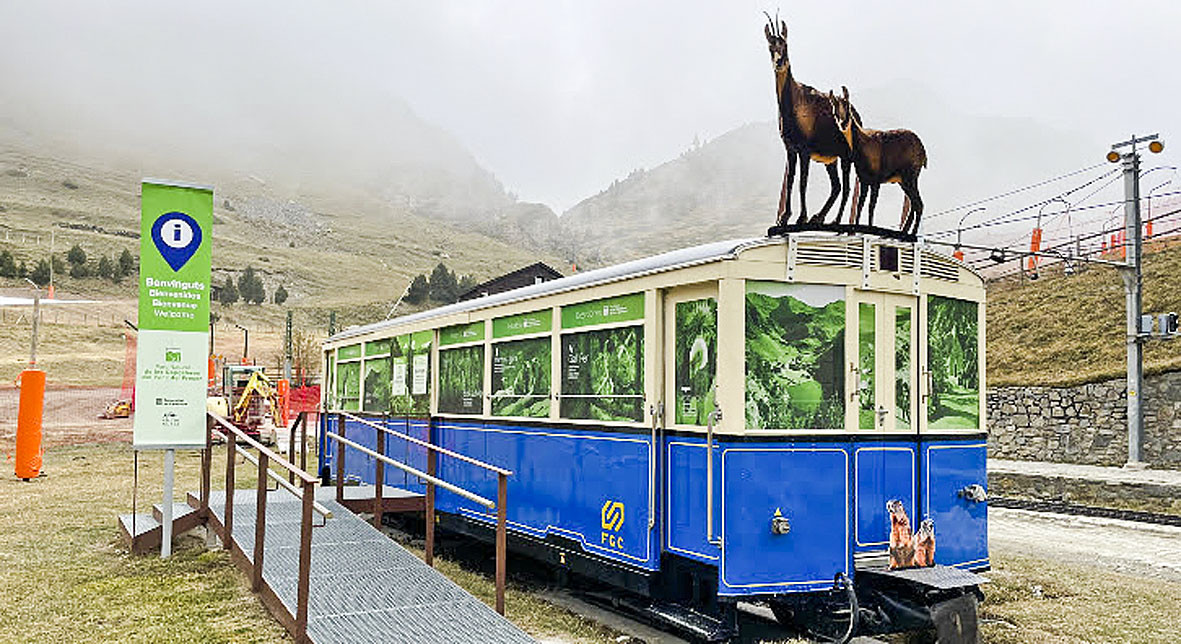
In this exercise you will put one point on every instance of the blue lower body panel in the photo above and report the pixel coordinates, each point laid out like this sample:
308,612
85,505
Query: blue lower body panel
961,524
882,472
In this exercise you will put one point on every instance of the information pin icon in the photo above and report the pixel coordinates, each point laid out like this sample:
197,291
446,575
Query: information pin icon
177,236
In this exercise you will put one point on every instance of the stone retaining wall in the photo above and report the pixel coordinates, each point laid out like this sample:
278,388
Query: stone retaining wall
1085,424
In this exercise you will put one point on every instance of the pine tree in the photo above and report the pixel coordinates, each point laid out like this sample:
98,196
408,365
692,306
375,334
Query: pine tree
40,274
250,287
76,256
419,290
443,287
280,295
7,265
126,264
106,269
229,294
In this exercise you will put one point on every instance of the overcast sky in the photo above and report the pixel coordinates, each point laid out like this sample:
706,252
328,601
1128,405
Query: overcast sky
559,98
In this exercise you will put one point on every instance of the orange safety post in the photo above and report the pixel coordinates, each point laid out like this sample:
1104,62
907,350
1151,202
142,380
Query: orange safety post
283,387
1148,232
212,372
28,424
1035,245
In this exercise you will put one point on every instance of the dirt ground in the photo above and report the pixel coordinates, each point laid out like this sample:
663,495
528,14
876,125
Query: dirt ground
70,417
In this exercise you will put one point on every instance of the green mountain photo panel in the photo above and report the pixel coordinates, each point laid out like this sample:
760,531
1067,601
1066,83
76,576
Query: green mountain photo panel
521,378
461,380
795,355
953,341
377,385
866,355
348,385
603,374
696,360
902,367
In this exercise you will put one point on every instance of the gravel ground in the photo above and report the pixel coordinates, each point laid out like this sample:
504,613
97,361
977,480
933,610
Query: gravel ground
1118,546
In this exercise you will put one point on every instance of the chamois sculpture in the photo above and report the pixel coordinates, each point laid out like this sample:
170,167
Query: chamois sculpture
889,156
808,130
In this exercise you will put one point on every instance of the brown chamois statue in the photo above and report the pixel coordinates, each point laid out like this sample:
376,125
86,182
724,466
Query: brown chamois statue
809,132
890,156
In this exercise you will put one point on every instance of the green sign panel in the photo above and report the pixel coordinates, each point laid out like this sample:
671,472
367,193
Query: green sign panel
612,309
176,234
461,333
536,322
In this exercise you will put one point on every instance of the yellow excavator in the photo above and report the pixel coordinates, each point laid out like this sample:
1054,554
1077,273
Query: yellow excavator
251,401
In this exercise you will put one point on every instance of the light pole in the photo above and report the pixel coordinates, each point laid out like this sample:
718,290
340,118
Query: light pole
959,233
245,342
36,322
1132,275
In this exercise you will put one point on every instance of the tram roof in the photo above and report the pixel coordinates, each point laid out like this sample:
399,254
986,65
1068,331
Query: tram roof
655,264
682,258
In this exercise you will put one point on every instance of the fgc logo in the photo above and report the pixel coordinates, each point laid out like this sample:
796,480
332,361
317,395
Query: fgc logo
612,523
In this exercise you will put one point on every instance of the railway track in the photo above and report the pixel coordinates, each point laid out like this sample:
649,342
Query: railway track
1085,510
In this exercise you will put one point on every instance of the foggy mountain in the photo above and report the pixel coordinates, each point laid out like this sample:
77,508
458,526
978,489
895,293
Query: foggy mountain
729,187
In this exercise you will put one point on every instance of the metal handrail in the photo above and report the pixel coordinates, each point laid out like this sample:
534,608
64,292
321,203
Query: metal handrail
380,460
297,625
278,478
436,448
262,449
471,496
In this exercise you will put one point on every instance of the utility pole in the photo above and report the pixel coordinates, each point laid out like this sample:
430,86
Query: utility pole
287,349
1133,278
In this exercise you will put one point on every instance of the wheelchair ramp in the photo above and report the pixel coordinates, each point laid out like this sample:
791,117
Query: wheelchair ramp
364,586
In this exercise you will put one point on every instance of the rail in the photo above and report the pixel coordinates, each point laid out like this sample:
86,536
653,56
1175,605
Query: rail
306,491
433,451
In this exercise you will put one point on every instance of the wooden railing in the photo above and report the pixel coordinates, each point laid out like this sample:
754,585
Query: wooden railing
305,489
381,459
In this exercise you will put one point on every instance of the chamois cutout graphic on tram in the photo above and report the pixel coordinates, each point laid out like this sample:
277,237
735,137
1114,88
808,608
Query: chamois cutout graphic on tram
882,156
809,132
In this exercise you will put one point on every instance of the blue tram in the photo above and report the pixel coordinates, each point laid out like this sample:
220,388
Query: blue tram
795,421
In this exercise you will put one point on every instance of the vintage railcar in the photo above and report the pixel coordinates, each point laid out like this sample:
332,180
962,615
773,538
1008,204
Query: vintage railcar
721,423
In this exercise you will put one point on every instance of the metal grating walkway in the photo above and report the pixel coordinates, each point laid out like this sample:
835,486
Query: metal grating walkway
364,586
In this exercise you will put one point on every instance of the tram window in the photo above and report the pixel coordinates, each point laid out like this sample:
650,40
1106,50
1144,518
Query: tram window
902,367
603,374
410,359
348,385
952,340
377,384
866,354
795,354
521,378
461,380
696,360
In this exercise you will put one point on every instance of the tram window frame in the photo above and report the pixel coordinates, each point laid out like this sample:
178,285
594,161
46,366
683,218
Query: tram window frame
377,359
477,395
590,318
545,343
970,340
834,367
344,401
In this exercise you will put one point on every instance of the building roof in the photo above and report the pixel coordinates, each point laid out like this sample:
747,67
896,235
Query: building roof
654,264
505,282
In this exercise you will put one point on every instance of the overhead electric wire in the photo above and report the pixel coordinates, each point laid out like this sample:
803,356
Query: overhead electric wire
1014,191
1000,218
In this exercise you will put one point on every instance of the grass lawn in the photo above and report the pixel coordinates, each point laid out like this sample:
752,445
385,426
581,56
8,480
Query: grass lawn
66,578
1034,600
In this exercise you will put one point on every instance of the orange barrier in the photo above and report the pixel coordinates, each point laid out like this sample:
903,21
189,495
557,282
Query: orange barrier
283,389
28,424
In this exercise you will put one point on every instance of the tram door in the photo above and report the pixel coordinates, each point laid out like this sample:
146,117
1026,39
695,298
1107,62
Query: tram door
689,389
885,398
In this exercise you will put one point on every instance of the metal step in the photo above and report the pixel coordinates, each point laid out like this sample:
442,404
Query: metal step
184,517
146,535
687,620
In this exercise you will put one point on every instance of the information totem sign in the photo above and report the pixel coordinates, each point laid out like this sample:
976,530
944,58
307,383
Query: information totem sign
171,353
